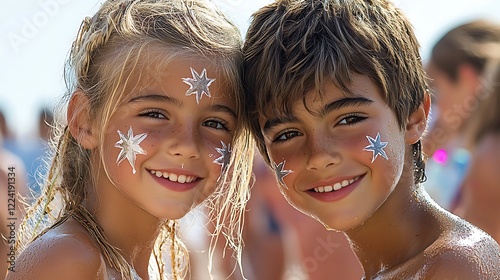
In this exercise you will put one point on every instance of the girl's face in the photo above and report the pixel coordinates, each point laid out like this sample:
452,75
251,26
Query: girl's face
173,138
322,154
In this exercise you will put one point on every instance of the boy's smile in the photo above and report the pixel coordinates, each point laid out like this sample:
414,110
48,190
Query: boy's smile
325,144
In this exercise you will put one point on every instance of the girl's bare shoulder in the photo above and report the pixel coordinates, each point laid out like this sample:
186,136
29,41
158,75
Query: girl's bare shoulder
463,252
65,252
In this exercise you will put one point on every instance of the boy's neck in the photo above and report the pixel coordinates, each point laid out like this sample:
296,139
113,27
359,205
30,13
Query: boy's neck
402,228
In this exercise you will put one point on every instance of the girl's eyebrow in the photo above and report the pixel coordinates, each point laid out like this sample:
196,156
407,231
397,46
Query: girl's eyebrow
345,102
167,99
156,98
223,108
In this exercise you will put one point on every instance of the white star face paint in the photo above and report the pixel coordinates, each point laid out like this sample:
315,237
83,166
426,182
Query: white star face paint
376,146
225,153
280,172
198,84
130,147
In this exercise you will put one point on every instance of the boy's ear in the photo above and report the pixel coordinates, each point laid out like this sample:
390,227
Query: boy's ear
79,122
417,122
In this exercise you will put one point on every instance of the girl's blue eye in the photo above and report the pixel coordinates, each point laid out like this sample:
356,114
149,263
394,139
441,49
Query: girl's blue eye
351,119
287,135
216,124
154,114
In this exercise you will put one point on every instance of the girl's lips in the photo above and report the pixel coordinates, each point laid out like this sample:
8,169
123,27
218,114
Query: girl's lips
330,193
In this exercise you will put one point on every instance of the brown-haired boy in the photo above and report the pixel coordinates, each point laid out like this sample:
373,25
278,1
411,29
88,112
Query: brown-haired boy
340,105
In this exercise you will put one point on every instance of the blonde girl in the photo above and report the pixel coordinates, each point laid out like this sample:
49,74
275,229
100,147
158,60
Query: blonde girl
154,128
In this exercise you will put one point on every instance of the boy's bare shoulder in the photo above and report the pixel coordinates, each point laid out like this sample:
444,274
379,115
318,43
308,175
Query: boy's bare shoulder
65,252
463,252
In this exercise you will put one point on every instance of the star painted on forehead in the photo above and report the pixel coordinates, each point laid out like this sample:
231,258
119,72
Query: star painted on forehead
225,153
376,146
130,147
280,173
198,84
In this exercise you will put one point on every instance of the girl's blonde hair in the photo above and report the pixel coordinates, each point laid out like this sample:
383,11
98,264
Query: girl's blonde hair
104,58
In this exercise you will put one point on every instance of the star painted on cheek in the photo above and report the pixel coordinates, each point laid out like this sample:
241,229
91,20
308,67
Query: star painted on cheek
225,155
376,146
280,173
130,148
198,84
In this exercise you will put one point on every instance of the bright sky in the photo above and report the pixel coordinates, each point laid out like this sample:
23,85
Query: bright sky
36,35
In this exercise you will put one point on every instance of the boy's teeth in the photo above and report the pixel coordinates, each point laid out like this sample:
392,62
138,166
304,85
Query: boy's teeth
174,177
337,186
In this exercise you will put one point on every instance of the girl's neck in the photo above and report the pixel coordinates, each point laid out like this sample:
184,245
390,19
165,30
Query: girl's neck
402,228
125,225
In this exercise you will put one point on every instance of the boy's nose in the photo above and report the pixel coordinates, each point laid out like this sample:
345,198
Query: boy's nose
322,154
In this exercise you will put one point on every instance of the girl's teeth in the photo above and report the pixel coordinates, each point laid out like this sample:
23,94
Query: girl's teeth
336,186
174,177
181,179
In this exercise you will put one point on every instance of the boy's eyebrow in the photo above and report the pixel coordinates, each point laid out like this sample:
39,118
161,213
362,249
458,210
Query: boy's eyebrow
156,98
335,105
345,102
277,121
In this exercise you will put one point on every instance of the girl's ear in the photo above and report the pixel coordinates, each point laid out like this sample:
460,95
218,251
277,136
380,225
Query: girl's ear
79,121
417,122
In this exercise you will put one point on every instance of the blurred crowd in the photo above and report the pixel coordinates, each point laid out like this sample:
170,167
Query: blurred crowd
463,171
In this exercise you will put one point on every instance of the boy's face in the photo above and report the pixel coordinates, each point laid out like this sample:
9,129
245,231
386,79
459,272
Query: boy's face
325,145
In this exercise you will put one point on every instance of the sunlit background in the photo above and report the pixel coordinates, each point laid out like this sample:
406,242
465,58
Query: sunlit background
35,37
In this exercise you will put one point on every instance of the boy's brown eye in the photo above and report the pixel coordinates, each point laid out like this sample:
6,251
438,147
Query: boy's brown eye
287,135
352,119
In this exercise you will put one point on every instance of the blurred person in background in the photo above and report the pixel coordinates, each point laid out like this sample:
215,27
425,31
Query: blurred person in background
457,69
31,150
12,191
38,149
480,191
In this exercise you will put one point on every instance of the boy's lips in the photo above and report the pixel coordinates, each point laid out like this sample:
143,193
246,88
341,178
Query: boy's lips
335,189
333,184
